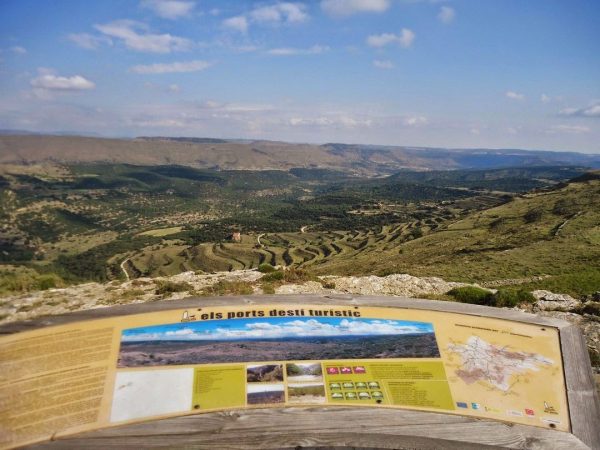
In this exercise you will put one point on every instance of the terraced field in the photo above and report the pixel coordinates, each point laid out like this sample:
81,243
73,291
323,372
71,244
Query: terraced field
299,249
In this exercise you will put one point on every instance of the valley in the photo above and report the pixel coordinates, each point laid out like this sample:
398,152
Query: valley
72,223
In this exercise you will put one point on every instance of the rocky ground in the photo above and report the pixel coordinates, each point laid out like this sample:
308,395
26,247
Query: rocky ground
95,295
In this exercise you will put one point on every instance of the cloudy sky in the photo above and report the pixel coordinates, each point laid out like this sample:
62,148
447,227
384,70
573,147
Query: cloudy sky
461,73
271,328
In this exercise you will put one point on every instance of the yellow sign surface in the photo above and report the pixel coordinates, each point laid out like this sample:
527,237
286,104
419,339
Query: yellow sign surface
87,375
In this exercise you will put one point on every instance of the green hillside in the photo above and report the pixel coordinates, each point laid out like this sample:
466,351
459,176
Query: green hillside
554,233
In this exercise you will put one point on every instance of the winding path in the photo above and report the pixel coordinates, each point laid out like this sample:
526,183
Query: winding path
124,270
258,238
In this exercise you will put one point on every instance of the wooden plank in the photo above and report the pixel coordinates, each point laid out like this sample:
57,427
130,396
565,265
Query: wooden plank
584,405
320,427
198,302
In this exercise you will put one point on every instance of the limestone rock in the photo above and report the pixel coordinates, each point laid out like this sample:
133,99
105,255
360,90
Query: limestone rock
549,301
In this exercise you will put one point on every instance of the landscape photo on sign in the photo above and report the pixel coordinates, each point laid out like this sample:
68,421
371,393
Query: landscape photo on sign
246,340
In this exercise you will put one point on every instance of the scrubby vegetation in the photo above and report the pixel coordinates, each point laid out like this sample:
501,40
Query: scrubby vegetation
166,287
229,288
502,298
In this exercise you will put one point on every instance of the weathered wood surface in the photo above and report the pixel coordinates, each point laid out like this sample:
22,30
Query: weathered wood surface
321,427
584,405
199,302
330,427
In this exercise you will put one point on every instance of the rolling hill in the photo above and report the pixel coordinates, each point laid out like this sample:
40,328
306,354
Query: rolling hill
265,155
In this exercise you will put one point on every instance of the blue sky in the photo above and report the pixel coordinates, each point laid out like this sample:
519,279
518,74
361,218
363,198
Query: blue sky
493,73
277,327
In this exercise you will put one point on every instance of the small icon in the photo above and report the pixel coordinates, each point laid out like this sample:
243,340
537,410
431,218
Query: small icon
512,412
549,409
377,394
345,370
462,405
348,385
373,385
550,421
185,317
337,395
475,406
361,385
359,369
350,395
493,410
335,386
529,412
364,396
333,370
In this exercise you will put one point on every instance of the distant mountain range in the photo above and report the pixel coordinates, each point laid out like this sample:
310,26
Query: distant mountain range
372,160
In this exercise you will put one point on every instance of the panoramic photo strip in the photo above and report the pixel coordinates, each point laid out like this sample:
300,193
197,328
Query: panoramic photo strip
276,339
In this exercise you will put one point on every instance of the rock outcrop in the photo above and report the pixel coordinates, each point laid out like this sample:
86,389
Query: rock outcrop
549,301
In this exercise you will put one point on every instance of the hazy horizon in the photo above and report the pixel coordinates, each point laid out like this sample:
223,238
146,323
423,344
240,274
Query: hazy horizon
57,133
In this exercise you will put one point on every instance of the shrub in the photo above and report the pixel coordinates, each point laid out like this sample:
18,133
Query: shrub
328,284
510,299
268,288
502,298
591,308
533,215
416,233
273,276
295,275
472,295
266,268
497,223
224,287
131,294
49,281
168,287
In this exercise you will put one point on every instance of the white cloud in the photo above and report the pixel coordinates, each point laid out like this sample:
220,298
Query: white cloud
275,14
135,36
267,330
289,51
349,7
592,110
280,13
514,95
176,67
404,39
544,98
335,121
174,88
50,82
383,64
18,50
88,41
416,121
446,14
237,23
569,129
169,9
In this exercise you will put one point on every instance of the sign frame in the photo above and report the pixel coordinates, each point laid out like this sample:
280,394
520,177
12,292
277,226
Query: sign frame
337,426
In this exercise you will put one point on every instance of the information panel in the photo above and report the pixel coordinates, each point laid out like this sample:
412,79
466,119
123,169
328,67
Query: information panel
86,375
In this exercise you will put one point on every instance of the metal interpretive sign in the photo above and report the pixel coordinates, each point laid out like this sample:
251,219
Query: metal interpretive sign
91,374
